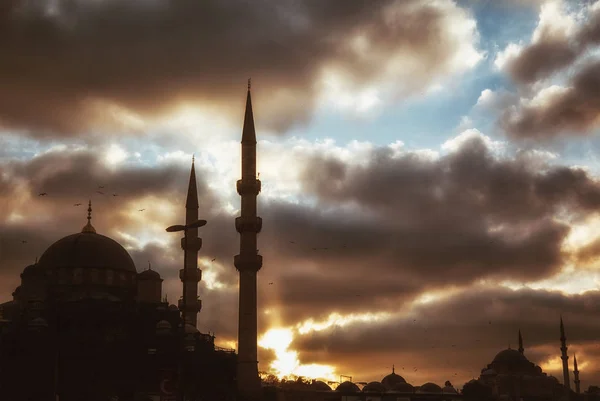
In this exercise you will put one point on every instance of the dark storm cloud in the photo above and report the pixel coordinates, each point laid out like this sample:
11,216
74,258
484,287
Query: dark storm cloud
541,59
552,52
69,177
464,216
574,110
463,333
64,62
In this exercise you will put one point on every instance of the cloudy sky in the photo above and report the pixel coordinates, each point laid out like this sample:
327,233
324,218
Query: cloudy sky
430,168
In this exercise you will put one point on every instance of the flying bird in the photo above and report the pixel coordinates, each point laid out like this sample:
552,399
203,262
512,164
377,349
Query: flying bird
100,192
23,242
42,194
271,283
213,259
141,210
77,204
101,186
115,194
292,242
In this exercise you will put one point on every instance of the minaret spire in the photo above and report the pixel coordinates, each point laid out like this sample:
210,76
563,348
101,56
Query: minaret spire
88,228
576,375
190,275
248,263
521,349
565,359
248,132
192,194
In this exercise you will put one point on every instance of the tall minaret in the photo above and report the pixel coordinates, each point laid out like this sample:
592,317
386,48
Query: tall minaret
576,375
565,359
190,275
521,349
248,263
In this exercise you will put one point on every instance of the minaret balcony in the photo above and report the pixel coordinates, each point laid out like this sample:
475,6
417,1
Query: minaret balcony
193,244
190,275
247,186
248,224
248,262
194,306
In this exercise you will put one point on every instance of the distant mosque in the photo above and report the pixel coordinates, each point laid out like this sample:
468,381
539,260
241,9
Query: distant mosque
85,325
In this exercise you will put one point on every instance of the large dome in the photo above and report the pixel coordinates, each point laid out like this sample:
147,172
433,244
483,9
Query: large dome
510,357
87,250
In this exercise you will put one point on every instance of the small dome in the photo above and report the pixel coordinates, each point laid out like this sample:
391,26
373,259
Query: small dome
348,387
189,329
489,372
375,387
318,385
163,326
32,270
173,308
430,388
149,275
510,357
391,380
402,388
449,390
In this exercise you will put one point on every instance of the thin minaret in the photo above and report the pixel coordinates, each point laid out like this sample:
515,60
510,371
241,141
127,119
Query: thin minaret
248,262
576,375
521,349
190,275
565,359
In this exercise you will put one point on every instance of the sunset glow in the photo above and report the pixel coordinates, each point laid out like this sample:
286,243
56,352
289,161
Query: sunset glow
287,364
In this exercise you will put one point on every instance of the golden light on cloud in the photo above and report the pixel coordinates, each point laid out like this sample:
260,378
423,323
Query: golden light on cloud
435,296
148,224
335,319
286,363
553,364
209,275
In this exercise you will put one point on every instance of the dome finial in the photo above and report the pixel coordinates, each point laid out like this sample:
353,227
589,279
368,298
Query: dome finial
149,266
249,83
88,227
393,369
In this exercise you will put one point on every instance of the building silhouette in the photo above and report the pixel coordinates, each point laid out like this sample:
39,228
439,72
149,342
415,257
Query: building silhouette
85,325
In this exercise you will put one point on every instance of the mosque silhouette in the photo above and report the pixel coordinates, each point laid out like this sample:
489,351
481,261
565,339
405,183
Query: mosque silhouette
84,325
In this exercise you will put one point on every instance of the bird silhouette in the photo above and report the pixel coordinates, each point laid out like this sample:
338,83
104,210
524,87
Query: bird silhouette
141,210
271,283
101,186
213,259
115,194
292,242
77,204
42,194
23,242
100,192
